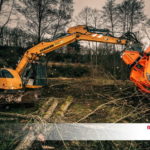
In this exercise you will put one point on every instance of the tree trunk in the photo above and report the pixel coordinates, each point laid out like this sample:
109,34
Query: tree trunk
29,139
1,3
39,21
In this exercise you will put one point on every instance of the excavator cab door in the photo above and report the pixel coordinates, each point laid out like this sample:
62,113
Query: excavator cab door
40,75
35,75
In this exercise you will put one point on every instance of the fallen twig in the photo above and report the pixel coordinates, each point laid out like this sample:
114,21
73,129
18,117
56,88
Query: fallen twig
15,115
97,108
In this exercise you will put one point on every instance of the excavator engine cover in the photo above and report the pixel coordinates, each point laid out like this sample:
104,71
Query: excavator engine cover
139,74
140,69
130,57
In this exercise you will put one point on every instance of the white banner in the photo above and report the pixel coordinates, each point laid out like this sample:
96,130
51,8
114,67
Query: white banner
79,131
92,131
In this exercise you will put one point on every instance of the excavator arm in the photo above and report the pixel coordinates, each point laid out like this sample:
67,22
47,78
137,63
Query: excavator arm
18,79
96,35
42,49
75,33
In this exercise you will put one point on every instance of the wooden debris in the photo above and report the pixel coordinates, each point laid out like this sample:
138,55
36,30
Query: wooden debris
98,108
63,108
8,119
45,147
50,110
29,139
27,142
45,106
15,115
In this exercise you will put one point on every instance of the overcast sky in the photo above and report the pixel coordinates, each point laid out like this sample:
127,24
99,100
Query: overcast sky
98,4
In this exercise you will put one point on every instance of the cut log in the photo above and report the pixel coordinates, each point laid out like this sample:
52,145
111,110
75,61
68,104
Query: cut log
45,106
8,119
15,115
29,139
63,108
50,110
45,147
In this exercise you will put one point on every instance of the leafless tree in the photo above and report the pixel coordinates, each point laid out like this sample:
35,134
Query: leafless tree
89,17
109,15
9,5
84,17
38,14
97,23
1,4
130,14
63,17
43,17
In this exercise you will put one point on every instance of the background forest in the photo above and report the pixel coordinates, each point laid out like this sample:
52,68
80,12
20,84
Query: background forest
25,23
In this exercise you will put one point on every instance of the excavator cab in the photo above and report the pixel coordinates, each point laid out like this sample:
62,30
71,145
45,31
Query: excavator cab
9,80
35,75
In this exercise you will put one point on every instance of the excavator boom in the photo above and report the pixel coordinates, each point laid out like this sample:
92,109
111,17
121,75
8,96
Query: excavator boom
75,33
25,76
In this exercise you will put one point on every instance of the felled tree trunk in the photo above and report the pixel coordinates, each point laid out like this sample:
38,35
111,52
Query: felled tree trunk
15,115
63,108
29,139
45,106
50,110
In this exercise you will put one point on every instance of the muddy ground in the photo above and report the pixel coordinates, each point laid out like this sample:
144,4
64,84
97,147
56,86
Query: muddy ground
125,102
95,100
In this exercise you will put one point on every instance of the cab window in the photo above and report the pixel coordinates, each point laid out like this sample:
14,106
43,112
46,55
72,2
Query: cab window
5,74
98,31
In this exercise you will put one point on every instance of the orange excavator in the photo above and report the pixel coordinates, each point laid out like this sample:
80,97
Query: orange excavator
31,74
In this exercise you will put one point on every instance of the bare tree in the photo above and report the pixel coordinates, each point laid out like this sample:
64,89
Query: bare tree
43,16
96,21
110,20
130,14
109,14
63,17
9,5
84,17
38,14
1,4
89,17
